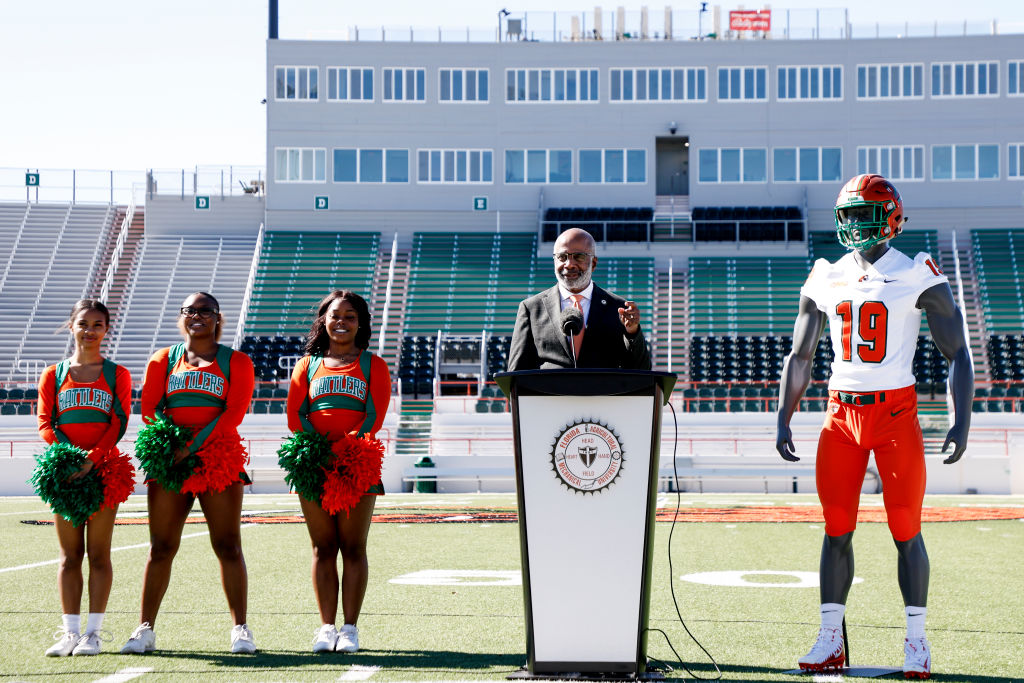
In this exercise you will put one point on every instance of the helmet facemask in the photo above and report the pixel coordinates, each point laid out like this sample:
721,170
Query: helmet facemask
862,224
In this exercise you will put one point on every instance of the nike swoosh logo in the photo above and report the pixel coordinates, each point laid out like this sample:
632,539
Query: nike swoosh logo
887,281
894,413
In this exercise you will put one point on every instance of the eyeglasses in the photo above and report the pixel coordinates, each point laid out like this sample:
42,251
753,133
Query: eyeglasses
206,313
579,257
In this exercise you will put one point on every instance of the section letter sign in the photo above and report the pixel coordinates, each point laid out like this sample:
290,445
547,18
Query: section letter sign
750,20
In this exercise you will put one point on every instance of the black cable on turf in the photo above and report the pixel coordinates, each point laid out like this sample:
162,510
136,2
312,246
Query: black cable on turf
671,573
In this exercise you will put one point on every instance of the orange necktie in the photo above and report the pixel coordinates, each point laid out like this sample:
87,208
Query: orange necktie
577,341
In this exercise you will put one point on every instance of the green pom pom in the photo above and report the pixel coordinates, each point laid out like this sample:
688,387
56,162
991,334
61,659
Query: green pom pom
155,447
75,500
305,456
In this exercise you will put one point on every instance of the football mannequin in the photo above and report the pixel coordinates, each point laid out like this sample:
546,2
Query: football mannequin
873,299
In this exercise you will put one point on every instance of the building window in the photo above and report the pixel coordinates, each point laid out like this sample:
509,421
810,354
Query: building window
965,162
463,85
658,84
1015,78
349,84
895,163
743,83
965,79
613,165
1015,154
807,164
538,166
300,165
455,166
890,81
810,83
403,85
733,165
551,85
371,165
296,83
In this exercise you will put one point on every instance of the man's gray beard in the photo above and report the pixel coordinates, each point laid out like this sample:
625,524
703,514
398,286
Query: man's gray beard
578,284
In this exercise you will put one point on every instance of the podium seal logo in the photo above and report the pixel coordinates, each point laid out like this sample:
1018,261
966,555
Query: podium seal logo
587,456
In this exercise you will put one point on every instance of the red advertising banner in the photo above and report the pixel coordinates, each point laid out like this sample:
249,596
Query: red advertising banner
750,20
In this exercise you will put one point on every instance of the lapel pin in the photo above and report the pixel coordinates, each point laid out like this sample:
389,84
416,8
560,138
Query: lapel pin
604,302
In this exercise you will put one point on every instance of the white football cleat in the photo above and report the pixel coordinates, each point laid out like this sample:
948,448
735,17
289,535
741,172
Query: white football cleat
828,652
917,658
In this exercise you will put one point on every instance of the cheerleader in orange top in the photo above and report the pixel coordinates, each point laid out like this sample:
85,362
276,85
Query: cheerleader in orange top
85,401
347,392
206,387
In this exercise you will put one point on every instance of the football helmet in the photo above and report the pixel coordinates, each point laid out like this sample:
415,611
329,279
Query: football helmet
868,211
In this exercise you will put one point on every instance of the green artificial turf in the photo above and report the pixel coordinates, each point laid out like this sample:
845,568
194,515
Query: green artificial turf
474,630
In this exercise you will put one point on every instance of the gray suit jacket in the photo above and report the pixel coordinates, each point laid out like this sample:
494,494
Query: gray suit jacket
538,342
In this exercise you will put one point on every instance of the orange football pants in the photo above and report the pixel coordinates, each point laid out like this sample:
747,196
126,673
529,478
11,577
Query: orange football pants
890,429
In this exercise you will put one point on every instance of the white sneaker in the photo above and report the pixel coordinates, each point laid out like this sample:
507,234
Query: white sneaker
142,640
66,641
90,643
827,653
917,658
241,640
325,638
348,639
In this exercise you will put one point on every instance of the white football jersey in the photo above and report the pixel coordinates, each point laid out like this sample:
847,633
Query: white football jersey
873,317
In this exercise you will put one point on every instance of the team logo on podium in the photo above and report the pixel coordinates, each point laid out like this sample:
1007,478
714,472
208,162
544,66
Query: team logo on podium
587,456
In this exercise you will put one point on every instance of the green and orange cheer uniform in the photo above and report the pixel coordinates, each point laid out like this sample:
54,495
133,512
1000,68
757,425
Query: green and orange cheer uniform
211,401
351,399
92,416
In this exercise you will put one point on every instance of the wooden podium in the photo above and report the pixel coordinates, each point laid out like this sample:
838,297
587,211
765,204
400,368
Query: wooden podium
586,453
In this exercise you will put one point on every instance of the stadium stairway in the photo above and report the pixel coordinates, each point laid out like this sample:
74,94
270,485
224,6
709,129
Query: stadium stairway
972,313
169,269
413,433
124,268
678,310
399,296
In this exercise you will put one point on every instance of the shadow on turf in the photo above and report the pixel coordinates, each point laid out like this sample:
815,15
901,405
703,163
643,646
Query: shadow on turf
744,673
429,660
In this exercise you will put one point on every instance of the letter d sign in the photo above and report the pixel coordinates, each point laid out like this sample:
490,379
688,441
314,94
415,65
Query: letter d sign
320,203
202,202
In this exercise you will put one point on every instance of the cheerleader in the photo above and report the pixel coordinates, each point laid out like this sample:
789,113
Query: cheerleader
341,390
84,402
194,396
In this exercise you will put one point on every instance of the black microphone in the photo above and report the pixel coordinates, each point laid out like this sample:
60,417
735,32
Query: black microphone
571,321
571,324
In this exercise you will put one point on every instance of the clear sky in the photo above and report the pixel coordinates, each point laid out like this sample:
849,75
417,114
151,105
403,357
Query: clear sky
135,84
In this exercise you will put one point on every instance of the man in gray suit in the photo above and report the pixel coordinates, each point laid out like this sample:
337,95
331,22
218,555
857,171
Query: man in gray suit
611,336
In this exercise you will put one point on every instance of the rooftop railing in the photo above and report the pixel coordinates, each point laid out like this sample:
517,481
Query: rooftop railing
90,186
672,24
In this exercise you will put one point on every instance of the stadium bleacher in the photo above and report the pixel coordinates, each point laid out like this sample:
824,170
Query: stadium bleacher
297,269
605,224
50,253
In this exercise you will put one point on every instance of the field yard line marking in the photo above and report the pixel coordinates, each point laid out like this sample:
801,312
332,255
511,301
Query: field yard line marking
125,674
113,550
358,672
26,512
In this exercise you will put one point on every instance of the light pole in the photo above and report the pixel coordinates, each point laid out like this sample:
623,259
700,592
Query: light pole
501,13
700,20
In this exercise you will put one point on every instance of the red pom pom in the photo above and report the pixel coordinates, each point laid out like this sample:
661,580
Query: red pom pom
222,460
355,468
118,475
